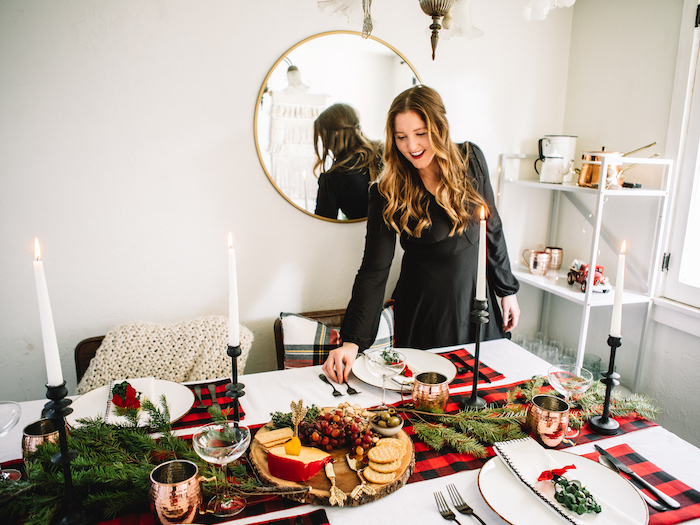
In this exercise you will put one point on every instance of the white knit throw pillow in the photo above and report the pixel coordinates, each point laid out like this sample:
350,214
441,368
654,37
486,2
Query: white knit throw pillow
189,351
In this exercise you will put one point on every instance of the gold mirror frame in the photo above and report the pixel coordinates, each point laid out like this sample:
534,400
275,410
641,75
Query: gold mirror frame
263,91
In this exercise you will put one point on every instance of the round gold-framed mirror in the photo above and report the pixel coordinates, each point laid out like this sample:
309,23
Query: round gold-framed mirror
336,67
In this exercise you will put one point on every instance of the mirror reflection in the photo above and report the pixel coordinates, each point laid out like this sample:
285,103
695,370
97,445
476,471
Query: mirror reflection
320,120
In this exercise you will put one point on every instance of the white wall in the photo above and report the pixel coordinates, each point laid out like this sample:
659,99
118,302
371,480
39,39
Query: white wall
126,139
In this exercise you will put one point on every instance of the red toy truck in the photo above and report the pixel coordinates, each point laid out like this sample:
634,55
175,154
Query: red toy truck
578,272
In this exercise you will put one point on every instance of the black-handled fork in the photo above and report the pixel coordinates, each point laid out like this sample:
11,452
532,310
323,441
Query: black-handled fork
351,390
443,509
460,504
326,380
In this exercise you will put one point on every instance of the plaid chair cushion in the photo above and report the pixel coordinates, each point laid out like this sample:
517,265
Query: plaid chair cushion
308,342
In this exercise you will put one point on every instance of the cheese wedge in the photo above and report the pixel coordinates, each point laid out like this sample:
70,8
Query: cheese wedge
296,468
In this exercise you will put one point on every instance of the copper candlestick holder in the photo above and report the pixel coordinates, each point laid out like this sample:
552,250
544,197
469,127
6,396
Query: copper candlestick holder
234,389
479,316
604,424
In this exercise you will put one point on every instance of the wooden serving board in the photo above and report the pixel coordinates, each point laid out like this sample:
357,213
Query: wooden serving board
346,479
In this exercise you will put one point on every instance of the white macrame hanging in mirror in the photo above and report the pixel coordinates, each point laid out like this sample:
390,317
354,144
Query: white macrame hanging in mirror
449,17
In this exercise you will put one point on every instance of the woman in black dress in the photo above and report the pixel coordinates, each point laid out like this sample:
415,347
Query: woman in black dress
429,193
356,162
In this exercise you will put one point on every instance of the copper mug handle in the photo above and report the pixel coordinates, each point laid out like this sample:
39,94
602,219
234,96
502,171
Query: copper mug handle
538,248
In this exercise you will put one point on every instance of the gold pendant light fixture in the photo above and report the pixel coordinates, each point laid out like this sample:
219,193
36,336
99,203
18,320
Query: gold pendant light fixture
436,9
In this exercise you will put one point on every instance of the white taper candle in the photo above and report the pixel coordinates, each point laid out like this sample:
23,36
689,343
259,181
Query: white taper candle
481,269
233,328
616,322
54,373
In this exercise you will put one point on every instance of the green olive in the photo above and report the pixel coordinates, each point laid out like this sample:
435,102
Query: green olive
391,410
381,423
385,415
394,421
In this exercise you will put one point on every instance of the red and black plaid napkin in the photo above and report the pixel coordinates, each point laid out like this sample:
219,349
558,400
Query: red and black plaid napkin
468,377
198,415
688,497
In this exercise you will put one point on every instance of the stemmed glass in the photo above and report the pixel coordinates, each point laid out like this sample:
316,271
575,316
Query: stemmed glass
221,443
385,363
9,416
570,380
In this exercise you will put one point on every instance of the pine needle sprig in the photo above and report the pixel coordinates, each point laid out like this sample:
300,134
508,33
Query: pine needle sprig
437,436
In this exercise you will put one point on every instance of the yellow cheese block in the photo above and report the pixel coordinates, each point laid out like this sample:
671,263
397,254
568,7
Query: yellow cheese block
296,468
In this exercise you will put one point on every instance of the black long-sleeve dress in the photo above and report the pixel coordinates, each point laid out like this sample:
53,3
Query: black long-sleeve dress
435,292
343,189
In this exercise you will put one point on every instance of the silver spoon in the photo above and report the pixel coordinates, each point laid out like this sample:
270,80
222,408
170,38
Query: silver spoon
652,503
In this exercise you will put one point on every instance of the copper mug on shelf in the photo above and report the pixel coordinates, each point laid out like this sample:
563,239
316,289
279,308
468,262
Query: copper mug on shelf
548,419
557,256
430,391
538,259
37,433
175,494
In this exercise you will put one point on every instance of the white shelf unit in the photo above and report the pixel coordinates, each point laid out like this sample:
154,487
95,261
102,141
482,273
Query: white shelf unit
555,282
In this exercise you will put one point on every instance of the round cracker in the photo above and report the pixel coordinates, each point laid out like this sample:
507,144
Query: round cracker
384,454
392,442
385,468
378,478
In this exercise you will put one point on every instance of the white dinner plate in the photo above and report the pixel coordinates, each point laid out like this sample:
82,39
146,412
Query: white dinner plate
514,502
93,404
417,360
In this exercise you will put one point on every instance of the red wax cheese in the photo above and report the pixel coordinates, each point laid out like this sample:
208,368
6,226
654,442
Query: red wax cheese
296,468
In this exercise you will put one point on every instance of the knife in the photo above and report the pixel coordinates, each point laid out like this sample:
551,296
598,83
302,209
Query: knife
640,482
470,367
657,506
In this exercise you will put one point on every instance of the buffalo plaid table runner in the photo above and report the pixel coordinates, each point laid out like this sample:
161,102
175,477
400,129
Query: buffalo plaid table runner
688,497
198,415
317,517
468,377
431,464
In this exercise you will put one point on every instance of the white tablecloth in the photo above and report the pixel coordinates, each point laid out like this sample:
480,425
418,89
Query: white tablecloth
272,391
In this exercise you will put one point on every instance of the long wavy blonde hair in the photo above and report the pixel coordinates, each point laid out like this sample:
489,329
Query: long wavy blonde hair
400,182
337,129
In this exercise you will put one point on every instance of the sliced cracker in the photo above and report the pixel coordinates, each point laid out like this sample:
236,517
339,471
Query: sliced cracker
279,435
384,454
378,478
385,468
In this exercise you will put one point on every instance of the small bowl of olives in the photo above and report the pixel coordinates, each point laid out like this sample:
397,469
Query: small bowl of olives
387,422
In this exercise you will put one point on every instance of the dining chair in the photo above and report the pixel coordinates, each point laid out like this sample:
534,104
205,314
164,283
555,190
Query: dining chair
188,351
330,318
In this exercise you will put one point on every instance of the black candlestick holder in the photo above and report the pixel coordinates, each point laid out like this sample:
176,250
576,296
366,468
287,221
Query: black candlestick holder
57,409
479,316
604,424
234,389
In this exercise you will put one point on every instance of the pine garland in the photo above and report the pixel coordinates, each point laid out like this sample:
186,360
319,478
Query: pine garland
469,430
111,475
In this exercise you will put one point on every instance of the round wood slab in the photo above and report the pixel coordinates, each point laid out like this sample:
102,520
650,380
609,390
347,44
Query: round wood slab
346,479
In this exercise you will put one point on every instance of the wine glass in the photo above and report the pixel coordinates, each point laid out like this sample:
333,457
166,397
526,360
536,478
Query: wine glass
9,416
221,443
570,380
385,363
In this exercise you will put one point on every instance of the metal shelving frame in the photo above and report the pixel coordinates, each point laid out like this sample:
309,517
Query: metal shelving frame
554,283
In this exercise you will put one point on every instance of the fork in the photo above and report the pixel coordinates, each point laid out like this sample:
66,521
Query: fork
198,391
326,380
460,504
351,390
444,510
212,392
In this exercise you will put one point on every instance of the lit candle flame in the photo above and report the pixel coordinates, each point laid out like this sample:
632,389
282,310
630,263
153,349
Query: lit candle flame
623,248
230,240
483,213
37,250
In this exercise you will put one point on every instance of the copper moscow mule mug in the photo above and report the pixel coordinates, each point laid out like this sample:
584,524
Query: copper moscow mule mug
430,391
37,433
175,493
539,260
548,419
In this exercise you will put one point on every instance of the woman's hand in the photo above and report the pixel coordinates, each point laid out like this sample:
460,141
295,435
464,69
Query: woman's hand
511,312
339,363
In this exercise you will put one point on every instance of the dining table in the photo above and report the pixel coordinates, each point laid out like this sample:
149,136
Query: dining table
269,392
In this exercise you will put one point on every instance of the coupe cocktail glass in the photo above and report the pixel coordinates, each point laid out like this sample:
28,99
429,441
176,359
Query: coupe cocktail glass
385,363
570,381
9,416
220,444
